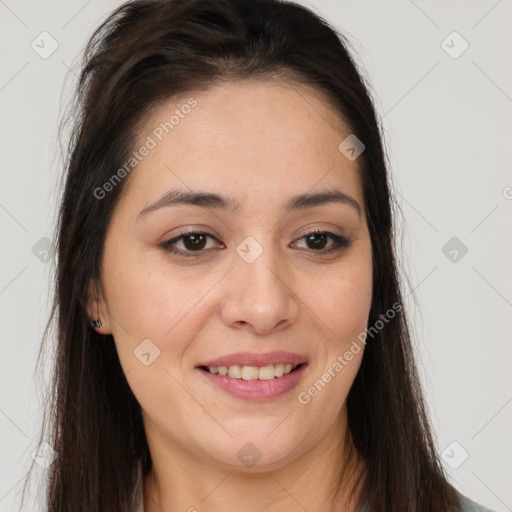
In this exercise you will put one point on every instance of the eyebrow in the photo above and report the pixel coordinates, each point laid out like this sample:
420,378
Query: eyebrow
211,200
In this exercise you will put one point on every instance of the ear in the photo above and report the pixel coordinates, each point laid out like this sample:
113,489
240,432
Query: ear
96,309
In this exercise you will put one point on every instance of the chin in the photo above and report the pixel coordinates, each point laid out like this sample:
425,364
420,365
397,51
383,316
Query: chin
254,453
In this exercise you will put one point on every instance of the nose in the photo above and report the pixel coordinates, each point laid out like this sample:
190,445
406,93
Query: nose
260,296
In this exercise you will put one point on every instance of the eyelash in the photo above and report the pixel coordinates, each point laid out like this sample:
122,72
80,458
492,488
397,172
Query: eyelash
340,243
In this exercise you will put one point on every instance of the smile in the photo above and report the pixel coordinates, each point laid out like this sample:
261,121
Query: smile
267,372
254,383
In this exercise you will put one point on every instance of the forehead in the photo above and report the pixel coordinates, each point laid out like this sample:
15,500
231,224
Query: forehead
248,137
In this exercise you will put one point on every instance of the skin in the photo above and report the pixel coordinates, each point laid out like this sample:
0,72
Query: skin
259,142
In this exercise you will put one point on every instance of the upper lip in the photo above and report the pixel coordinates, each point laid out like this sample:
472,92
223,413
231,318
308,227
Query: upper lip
256,359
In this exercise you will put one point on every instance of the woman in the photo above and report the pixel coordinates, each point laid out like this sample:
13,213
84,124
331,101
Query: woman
231,332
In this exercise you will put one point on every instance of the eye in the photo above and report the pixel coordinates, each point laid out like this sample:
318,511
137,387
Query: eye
192,241
196,242
316,240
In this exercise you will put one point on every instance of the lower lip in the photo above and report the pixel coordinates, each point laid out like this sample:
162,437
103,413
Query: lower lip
256,389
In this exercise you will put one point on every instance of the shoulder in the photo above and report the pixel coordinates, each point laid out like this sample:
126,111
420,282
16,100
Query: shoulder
468,505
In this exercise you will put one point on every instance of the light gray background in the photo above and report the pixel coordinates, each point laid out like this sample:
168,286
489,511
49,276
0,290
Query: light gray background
448,127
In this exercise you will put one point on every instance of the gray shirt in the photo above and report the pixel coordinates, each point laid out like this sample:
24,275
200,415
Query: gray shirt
467,505
471,506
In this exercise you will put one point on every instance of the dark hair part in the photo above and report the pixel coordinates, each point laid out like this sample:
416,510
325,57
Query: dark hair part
147,52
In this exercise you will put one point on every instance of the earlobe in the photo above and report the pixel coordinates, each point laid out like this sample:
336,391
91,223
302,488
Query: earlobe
97,310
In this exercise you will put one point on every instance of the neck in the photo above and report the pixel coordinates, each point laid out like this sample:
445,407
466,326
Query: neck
309,483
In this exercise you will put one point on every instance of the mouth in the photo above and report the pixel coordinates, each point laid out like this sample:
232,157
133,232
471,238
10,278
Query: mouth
248,373
254,383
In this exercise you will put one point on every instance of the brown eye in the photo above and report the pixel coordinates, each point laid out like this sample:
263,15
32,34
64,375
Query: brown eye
192,242
317,241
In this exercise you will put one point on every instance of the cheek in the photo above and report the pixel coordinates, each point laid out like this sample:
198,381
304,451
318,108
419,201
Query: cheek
341,300
148,300
166,309
349,306
342,312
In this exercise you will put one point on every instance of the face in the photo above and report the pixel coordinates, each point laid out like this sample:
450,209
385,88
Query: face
251,283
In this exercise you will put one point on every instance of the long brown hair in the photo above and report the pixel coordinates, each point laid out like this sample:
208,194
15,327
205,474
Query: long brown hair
148,51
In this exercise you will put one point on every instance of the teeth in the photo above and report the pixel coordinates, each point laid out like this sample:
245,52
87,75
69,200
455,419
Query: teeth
248,372
235,372
266,372
253,372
